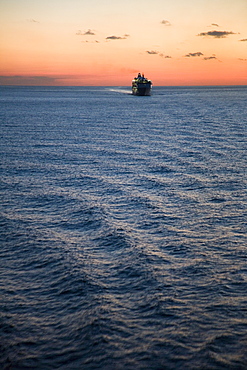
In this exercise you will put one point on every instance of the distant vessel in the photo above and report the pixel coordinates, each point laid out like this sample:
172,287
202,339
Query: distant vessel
141,85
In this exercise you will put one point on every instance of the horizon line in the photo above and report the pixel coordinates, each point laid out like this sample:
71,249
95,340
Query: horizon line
193,85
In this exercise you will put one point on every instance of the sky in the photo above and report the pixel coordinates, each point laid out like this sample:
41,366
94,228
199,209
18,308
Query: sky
107,42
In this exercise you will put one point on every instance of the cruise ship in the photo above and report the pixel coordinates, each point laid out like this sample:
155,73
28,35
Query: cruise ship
141,85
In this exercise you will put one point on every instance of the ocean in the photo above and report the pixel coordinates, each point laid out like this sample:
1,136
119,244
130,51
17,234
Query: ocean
123,228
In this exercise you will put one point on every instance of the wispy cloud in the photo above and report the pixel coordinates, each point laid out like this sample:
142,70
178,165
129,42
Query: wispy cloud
210,58
214,24
32,20
217,34
55,80
152,52
87,33
165,22
31,80
90,42
124,37
243,60
243,40
197,54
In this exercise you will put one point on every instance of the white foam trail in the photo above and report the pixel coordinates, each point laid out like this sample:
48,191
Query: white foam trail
121,91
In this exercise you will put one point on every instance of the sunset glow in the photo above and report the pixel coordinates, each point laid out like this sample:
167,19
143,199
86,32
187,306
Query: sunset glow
87,43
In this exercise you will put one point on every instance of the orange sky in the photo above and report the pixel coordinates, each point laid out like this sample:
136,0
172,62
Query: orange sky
105,42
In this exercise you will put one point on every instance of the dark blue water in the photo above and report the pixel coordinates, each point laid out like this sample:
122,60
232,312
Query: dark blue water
123,228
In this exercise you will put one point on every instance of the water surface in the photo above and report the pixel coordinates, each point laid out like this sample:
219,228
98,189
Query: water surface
123,228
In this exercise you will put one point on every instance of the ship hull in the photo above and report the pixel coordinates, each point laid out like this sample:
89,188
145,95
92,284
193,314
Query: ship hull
142,89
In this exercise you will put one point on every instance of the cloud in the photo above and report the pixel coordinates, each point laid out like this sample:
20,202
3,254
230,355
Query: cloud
209,58
87,33
90,42
31,80
55,80
152,52
243,40
243,60
114,38
198,54
32,20
165,22
117,37
214,24
165,56
217,34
